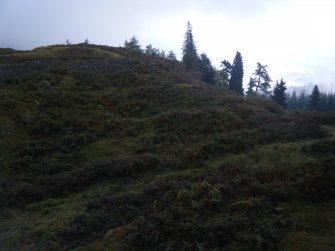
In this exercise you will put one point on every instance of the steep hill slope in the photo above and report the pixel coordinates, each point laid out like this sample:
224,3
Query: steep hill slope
108,149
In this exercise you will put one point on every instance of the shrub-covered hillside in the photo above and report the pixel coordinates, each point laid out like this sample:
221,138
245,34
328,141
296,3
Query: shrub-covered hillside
105,148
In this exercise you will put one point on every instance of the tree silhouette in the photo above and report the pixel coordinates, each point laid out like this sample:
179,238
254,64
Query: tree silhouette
279,93
227,67
302,100
133,44
190,55
251,86
260,83
171,55
223,76
236,78
207,70
292,101
314,99
152,51
326,101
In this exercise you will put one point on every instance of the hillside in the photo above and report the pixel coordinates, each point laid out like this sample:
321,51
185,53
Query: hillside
104,148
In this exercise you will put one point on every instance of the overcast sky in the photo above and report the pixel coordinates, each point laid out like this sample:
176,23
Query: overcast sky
295,38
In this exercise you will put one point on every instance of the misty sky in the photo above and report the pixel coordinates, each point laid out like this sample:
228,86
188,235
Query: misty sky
295,38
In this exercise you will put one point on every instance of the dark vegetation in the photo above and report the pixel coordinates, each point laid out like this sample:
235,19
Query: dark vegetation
106,148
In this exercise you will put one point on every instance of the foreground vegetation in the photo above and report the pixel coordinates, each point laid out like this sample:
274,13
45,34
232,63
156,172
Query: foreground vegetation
110,149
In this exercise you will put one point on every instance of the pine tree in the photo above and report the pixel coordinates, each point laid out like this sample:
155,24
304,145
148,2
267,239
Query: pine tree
323,102
236,78
190,55
133,44
224,74
314,99
171,55
279,93
152,51
251,86
227,67
260,83
331,102
221,78
293,101
302,100
207,70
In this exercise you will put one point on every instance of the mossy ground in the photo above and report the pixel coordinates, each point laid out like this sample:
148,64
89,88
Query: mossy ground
151,158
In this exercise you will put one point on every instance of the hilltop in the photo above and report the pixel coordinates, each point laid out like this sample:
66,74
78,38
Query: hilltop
107,148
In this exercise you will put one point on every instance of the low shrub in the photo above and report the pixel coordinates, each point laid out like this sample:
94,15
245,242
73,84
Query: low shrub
322,147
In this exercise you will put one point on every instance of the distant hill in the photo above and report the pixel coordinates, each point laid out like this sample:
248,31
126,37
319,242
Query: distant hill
105,148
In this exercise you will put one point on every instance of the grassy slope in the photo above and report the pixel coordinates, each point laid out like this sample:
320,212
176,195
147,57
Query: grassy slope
58,52
149,155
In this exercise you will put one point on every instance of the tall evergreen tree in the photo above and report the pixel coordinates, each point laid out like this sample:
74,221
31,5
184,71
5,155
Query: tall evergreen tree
207,70
279,94
293,101
331,102
190,55
260,83
236,78
224,74
314,99
323,102
302,101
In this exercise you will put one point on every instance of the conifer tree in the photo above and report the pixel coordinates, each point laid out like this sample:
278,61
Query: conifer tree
326,101
221,79
133,44
227,67
323,102
236,78
251,86
330,102
207,70
190,55
171,55
260,83
152,51
314,99
224,74
279,93
302,100
292,101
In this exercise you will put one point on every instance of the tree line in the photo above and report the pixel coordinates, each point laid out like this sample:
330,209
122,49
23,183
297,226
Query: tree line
316,101
134,44
231,75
